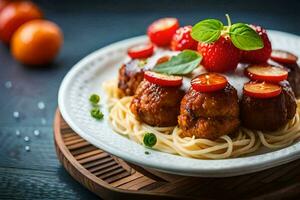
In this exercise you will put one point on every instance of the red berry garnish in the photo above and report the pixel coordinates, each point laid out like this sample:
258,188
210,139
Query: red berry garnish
262,90
267,73
260,55
163,79
219,56
141,51
162,30
209,82
283,57
182,39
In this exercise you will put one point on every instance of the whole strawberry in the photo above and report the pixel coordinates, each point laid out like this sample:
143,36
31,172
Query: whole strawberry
219,56
221,45
260,55
182,39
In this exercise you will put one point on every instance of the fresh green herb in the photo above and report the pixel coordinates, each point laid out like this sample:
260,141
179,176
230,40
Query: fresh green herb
244,37
96,113
241,35
94,98
142,63
184,63
208,30
147,152
149,139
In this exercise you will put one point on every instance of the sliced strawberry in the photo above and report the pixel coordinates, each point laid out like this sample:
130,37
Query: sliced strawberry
182,39
162,79
283,57
260,55
141,51
267,73
209,82
261,90
219,56
162,30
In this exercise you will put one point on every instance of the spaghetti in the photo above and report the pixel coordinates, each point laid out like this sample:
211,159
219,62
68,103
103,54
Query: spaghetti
242,142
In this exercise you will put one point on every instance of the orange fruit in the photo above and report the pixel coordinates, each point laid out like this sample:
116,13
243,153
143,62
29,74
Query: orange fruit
14,14
36,42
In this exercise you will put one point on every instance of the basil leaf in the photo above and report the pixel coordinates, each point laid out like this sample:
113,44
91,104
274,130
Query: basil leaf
207,31
244,37
184,63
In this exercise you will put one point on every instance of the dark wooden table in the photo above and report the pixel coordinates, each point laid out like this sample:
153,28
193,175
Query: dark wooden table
87,26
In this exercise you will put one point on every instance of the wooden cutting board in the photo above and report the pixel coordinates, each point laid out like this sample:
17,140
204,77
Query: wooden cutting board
112,178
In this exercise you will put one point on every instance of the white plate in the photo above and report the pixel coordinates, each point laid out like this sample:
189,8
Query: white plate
86,77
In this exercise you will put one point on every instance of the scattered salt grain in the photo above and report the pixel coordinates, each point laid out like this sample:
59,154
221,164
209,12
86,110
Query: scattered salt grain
41,105
18,132
27,148
16,114
36,132
8,84
43,121
26,139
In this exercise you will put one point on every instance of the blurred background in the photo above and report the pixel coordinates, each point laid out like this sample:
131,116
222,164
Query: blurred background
28,95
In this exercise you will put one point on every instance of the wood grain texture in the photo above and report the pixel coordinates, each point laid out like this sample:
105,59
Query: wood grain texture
111,178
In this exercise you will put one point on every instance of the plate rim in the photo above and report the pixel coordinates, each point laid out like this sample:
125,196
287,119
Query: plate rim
224,171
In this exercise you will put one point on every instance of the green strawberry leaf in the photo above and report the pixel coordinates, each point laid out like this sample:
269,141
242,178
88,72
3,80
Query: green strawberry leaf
184,63
208,30
244,37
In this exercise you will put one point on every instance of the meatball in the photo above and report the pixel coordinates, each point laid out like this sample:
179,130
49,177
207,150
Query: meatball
130,76
156,105
268,114
209,115
294,77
